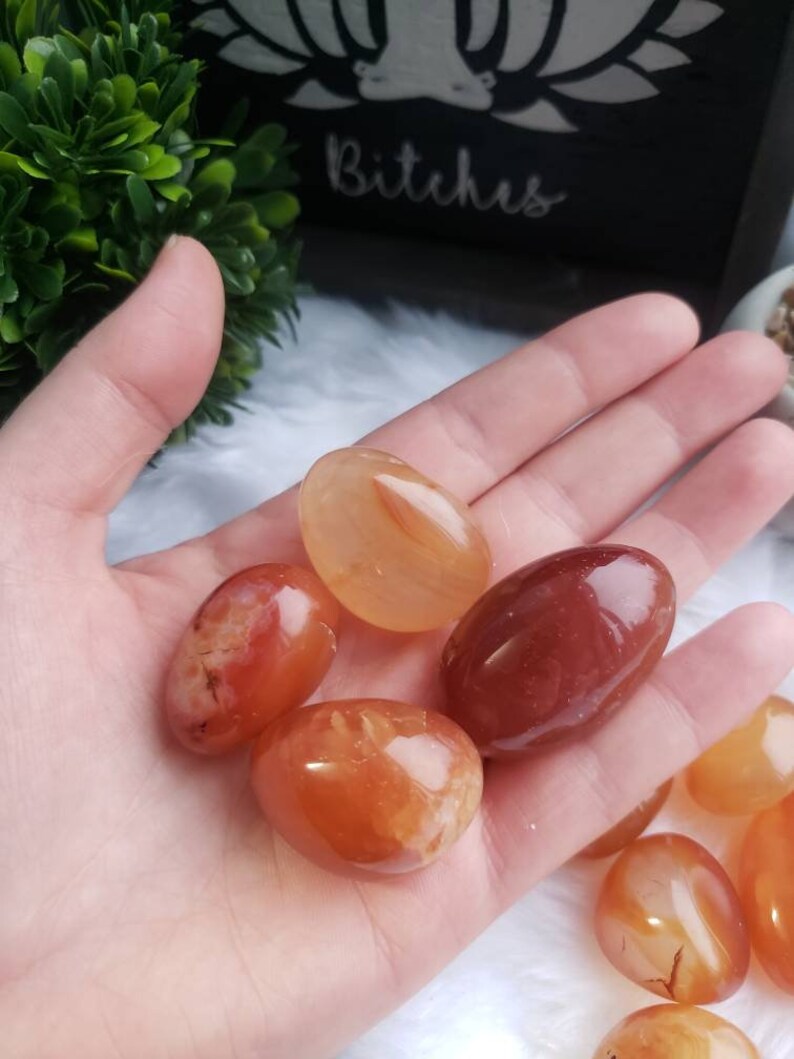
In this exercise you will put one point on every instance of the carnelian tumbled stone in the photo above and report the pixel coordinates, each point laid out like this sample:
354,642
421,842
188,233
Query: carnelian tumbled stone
669,919
767,889
257,646
673,1031
394,548
367,784
752,768
556,646
630,827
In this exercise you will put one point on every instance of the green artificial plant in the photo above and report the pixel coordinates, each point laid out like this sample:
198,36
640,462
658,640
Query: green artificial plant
100,162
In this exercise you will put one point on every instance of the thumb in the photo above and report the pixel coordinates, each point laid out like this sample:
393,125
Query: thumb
78,441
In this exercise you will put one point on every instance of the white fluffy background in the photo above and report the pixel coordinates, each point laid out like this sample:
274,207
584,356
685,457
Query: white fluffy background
534,986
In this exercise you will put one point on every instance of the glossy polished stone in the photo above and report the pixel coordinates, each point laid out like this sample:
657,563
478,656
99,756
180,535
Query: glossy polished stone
752,768
630,827
395,549
367,785
258,646
767,889
669,919
673,1031
555,647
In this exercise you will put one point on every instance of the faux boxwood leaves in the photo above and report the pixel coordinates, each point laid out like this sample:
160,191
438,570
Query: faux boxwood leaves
100,163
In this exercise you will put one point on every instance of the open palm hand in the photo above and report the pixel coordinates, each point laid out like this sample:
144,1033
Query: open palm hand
146,908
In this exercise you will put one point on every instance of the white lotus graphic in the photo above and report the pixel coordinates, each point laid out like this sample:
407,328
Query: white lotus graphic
461,52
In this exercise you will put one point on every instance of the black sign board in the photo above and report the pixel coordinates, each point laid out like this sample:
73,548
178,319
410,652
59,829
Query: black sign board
632,134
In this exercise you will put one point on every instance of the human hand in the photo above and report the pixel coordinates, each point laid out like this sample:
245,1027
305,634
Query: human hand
146,908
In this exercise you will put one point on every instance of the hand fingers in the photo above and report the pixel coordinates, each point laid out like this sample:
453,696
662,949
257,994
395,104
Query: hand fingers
475,433
592,479
719,505
541,811
82,436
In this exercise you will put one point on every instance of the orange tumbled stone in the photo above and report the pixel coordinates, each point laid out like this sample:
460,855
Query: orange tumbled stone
630,827
767,889
556,646
367,784
669,919
752,768
394,548
673,1031
257,646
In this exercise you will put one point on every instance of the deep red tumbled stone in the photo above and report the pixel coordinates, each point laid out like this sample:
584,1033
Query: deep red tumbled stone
556,646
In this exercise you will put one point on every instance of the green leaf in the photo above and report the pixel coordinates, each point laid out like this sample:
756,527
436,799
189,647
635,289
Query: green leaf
37,51
130,161
239,258
221,171
148,96
181,87
173,192
102,105
69,46
25,25
79,46
33,170
143,130
142,200
67,192
236,282
9,291
124,92
211,197
9,63
164,169
277,209
10,329
253,165
117,141
268,137
49,348
177,117
110,129
81,239
9,163
50,96
117,273
153,151
237,215
45,281
14,120
39,318
60,70
60,219
80,75
24,90
53,136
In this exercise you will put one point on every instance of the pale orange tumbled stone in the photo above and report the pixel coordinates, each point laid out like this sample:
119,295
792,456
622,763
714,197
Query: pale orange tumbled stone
367,785
767,889
669,919
674,1031
395,549
752,768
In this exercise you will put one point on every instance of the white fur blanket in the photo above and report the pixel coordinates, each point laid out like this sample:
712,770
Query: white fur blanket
534,986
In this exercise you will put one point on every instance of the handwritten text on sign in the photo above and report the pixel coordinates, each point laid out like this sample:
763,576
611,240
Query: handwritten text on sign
403,176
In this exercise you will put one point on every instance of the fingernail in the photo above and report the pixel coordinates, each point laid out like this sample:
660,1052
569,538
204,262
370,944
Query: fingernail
171,241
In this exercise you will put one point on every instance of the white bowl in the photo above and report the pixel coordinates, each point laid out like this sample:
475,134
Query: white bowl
752,314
